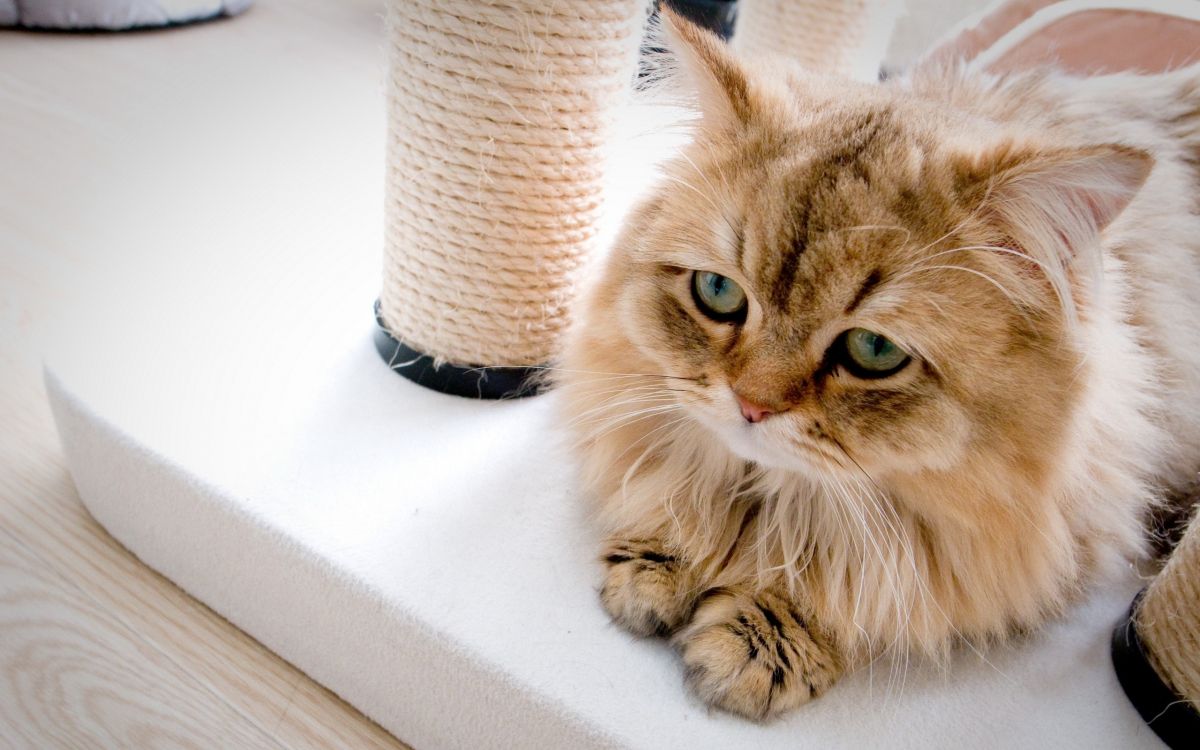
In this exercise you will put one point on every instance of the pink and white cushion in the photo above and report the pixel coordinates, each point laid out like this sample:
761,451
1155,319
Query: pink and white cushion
1084,37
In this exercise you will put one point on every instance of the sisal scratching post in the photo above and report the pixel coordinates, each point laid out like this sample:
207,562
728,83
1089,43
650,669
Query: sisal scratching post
1156,649
499,114
848,37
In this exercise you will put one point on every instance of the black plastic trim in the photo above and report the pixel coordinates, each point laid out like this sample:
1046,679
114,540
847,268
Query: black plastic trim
474,381
1173,718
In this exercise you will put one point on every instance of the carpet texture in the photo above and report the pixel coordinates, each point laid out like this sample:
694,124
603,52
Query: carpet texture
428,558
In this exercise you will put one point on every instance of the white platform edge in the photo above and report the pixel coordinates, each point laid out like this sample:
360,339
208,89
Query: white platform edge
406,685
432,689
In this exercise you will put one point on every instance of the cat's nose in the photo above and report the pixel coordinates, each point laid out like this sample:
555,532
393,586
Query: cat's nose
752,411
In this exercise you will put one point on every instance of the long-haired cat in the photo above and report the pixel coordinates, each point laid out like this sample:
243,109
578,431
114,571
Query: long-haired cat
884,367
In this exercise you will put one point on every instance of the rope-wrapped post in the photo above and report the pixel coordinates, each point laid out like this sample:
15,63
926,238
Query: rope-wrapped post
499,116
1156,648
848,37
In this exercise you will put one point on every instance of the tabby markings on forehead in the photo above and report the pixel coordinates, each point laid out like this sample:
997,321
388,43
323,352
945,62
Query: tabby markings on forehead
847,156
789,265
869,284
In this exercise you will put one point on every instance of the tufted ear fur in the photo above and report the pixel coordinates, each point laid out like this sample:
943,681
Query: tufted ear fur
1052,205
1075,193
718,79
1066,194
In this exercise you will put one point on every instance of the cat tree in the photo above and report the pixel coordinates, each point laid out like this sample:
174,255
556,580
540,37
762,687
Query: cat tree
499,118
829,35
1156,648
423,557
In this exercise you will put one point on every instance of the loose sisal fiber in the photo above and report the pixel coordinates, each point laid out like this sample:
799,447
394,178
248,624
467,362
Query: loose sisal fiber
499,114
848,37
1168,620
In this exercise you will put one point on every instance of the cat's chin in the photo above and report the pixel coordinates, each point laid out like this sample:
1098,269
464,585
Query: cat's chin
752,442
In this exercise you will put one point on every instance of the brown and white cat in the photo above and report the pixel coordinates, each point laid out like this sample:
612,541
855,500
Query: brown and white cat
884,367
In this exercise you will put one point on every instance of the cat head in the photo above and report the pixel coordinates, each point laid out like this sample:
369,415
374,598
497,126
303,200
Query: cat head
844,277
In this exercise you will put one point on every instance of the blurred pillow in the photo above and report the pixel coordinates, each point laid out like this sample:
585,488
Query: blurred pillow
113,15
1081,36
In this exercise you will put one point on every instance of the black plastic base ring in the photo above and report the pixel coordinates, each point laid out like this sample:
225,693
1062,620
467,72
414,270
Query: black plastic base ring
480,381
1173,718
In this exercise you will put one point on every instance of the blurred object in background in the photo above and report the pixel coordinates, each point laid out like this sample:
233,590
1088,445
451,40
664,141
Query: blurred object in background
113,15
924,24
844,37
848,37
715,15
920,25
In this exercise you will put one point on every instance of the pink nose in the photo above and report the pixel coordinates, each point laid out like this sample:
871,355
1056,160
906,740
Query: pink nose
752,411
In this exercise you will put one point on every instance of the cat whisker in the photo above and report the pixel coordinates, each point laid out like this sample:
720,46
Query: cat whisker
616,406
880,227
601,398
711,202
882,494
972,216
634,417
890,528
1016,302
868,544
672,426
737,234
646,392
1055,276
993,249
716,162
612,374
669,424
927,597
885,514
808,446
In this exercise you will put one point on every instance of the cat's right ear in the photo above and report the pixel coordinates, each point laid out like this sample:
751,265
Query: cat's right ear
709,68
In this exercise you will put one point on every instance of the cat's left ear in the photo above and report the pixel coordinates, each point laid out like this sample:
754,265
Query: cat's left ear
710,69
1062,197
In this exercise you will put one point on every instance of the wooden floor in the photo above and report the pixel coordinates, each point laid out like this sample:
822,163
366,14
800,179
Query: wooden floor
97,650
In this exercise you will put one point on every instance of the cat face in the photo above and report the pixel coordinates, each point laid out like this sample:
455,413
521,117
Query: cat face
843,281
798,307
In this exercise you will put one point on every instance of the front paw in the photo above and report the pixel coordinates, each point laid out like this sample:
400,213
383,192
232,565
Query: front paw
644,590
754,654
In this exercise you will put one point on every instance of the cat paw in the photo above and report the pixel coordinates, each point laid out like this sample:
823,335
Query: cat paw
644,589
754,654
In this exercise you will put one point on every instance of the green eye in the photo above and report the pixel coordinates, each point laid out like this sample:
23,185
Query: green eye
869,355
719,297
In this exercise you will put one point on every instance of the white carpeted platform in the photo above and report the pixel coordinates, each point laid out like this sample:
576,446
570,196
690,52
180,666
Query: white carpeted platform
226,418
426,557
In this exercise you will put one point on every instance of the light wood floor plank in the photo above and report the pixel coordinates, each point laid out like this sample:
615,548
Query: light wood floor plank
204,683
71,675
40,506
